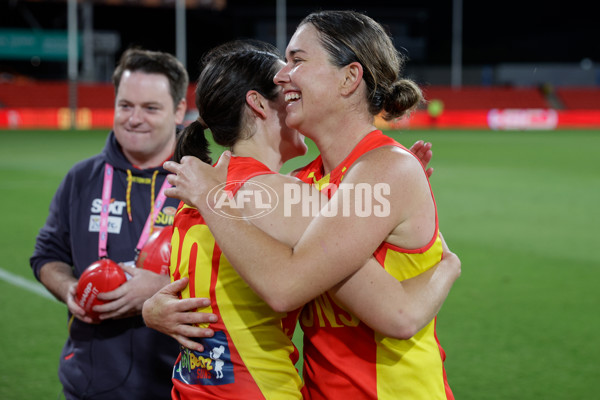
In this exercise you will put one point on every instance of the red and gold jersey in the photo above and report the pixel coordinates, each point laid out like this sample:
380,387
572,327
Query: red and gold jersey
343,357
251,354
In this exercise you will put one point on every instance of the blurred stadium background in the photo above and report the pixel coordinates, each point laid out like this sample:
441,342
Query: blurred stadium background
532,63
516,134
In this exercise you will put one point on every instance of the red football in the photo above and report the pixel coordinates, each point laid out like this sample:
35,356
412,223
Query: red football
101,276
155,256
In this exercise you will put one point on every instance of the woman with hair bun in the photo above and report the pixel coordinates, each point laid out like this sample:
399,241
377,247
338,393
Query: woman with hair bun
341,70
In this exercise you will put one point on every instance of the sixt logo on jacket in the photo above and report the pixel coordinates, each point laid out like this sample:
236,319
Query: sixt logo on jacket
211,367
115,219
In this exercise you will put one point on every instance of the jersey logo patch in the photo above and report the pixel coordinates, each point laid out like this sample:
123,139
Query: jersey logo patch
211,367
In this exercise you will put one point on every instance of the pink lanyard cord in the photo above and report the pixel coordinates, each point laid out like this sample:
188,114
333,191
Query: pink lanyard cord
106,192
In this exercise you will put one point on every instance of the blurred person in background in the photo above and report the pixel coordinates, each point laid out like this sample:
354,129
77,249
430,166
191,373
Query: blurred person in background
117,357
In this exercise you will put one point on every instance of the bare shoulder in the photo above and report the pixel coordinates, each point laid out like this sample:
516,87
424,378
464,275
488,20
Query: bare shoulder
390,155
388,163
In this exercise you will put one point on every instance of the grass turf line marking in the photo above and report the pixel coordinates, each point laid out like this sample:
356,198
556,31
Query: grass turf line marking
26,284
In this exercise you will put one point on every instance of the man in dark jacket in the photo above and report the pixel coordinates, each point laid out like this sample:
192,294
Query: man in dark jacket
118,358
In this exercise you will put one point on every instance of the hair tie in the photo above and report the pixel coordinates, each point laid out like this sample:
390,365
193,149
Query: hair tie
201,122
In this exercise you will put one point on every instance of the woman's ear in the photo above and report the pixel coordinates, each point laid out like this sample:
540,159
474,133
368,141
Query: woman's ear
256,103
353,73
180,111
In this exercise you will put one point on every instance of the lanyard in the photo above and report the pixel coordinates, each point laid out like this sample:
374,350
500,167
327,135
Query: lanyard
106,192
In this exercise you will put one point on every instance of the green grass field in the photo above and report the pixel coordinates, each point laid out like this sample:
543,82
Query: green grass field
520,208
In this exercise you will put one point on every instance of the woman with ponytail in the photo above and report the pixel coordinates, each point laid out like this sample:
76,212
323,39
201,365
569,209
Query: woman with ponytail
216,269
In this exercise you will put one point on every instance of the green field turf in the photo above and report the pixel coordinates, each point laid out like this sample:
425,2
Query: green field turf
520,209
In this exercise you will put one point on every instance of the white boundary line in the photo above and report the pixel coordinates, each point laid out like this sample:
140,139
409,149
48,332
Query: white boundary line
26,284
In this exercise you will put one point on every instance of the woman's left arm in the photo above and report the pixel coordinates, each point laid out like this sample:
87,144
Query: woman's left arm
398,309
